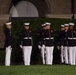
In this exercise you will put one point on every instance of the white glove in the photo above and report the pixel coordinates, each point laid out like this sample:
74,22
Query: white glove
43,46
20,46
39,46
10,47
58,47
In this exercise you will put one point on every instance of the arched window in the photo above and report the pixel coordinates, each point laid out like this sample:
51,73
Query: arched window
24,9
14,12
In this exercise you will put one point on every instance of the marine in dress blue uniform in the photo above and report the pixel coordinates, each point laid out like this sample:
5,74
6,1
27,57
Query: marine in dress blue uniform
61,38
41,43
8,43
72,44
49,43
66,50
26,43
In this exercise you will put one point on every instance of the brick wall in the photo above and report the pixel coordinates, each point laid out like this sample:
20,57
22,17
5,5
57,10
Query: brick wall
1,34
4,6
60,6
3,19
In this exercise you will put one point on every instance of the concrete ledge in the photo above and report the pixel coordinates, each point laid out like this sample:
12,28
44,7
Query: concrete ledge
66,16
4,16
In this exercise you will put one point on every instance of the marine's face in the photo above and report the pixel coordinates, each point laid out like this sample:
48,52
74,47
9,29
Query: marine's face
26,27
9,26
44,28
71,27
63,28
67,27
48,27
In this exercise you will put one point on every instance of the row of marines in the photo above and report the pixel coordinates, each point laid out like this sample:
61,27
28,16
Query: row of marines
46,40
